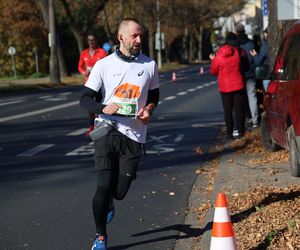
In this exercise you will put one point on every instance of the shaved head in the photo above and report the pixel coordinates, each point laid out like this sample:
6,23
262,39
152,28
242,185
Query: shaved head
123,26
130,36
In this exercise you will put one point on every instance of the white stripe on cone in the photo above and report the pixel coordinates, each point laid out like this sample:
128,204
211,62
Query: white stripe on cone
222,243
221,215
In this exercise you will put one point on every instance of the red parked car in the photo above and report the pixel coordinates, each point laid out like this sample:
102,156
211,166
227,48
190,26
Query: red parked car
281,120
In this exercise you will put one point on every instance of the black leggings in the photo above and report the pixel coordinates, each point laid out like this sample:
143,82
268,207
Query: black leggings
234,101
110,185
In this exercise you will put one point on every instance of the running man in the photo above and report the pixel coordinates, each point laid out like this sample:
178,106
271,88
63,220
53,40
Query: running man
128,82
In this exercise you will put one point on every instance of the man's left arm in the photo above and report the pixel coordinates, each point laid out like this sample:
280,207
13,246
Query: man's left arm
152,102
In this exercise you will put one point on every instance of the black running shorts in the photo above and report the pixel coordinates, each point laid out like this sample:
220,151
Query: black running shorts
117,152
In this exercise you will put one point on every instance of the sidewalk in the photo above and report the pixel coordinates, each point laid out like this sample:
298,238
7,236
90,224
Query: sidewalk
42,81
234,174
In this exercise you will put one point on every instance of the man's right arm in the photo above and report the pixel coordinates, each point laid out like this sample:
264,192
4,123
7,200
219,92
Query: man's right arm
88,101
80,67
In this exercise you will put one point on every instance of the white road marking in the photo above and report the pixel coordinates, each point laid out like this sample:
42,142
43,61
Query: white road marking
77,132
170,98
35,150
200,87
44,96
191,90
40,111
162,148
182,93
66,93
56,99
207,124
157,139
83,150
179,138
11,102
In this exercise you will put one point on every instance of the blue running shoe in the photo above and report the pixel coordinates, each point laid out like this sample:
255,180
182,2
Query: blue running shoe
99,243
111,211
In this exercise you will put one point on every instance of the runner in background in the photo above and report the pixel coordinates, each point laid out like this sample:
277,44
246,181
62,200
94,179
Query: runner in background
87,60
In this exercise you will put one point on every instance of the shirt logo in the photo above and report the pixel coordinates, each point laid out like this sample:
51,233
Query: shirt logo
128,90
141,72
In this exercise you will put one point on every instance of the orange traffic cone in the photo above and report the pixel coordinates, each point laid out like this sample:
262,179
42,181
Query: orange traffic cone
222,232
174,76
201,71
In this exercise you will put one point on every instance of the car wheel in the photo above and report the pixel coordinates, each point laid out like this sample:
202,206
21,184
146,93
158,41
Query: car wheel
267,140
294,153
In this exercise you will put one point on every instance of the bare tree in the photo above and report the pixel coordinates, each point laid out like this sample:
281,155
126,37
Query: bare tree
277,30
44,7
54,72
81,16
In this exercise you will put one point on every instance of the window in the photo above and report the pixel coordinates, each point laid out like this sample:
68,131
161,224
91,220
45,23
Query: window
291,61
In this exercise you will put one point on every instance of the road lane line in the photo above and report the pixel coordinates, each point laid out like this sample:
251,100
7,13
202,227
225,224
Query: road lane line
207,124
35,150
11,102
44,96
40,111
66,93
170,98
77,132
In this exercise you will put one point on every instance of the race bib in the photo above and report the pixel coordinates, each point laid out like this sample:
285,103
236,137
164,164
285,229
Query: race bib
128,107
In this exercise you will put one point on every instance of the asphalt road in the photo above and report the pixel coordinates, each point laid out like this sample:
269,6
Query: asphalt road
47,179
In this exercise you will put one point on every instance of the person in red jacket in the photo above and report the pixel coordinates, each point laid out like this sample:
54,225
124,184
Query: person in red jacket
227,66
87,60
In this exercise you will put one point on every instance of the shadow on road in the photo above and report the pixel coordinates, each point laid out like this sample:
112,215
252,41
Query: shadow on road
183,232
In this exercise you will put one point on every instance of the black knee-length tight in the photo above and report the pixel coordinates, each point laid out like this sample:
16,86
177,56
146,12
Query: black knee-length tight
109,185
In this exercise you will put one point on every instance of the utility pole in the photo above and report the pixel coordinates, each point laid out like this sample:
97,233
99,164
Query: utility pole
53,64
159,36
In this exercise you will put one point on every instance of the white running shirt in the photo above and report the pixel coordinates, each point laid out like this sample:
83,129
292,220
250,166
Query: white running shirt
125,83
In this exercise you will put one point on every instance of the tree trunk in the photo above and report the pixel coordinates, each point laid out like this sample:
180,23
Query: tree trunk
200,34
107,28
61,59
276,30
151,44
43,4
191,51
53,63
121,10
79,39
185,44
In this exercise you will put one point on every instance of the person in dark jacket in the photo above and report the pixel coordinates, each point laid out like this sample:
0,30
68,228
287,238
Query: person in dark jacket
226,64
248,45
263,57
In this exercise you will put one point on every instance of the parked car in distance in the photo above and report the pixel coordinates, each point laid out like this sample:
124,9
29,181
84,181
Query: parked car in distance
280,122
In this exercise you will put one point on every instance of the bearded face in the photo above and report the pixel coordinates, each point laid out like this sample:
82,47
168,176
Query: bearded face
130,37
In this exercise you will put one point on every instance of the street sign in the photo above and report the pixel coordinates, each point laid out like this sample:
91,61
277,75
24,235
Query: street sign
159,41
12,51
265,7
